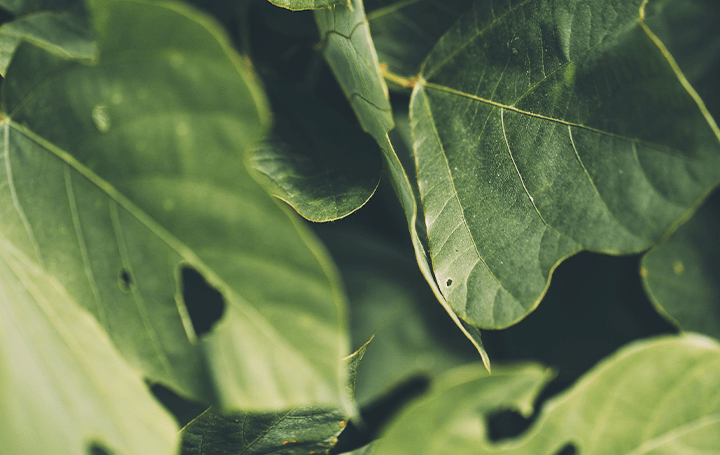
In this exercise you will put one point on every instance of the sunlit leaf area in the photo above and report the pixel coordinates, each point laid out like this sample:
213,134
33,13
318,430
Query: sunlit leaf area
391,227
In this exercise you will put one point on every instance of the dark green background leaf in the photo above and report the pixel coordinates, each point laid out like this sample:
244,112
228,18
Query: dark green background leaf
405,31
61,26
545,128
682,275
390,301
314,160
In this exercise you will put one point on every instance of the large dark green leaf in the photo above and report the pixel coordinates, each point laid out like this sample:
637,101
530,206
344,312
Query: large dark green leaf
349,50
299,431
659,396
122,172
64,388
61,26
404,31
314,160
682,275
546,128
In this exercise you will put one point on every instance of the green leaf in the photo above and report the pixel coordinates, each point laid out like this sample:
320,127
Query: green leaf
298,5
301,430
654,396
405,31
681,275
390,302
688,28
61,27
349,50
314,160
121,172
545,128
64,388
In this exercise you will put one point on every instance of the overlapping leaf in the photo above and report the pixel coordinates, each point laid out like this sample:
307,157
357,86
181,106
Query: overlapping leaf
121,171
349,50
301,430
314,160
64,388
657,396
546,128
60,25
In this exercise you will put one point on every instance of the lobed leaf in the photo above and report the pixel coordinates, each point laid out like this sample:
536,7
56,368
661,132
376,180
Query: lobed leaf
654,396
546,128
122,172
64,388
349,50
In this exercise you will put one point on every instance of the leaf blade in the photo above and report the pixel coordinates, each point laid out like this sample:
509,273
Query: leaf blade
540,152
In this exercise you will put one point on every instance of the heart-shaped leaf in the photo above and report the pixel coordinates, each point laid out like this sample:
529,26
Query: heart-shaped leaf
545,128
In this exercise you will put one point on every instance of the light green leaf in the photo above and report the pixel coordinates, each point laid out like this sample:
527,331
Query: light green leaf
404,32
545,128
349,50
314,160
120,172
301,430
682,275
655,396
298,5
60,26
64,388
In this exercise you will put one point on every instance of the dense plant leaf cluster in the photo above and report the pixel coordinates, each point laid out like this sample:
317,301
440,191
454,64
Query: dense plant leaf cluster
207,206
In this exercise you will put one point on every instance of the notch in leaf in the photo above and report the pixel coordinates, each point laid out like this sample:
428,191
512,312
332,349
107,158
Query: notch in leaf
204,303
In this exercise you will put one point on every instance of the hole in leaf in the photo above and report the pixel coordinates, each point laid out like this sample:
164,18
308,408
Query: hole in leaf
96,448
205,304
449,283
568,449
182,409
125,280
506,424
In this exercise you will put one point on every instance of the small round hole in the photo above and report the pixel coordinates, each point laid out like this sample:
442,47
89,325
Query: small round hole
449,283
125,280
